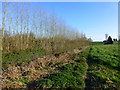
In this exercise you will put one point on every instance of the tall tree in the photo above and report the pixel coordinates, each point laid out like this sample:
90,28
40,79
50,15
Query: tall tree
110,40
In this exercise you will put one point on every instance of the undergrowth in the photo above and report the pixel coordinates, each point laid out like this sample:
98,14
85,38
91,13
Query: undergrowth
17,58
70,75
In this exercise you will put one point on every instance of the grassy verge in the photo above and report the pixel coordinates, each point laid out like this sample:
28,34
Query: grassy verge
17,58
70,75
96,67
104,67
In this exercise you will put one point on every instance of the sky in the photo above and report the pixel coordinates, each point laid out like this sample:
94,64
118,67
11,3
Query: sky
60,1
0,23
95,19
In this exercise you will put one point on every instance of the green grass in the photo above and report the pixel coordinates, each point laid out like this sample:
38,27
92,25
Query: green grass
17,58
101,43
104,67
24,80
97,43
96,67
71,75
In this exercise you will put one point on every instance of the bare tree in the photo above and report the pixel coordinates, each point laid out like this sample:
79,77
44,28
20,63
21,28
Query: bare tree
39,30
106,36
5,9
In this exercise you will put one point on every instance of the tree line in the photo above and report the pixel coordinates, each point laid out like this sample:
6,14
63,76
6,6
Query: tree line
38,29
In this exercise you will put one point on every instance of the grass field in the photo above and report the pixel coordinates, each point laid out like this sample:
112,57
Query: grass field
96,67
99,65
104,67
97,43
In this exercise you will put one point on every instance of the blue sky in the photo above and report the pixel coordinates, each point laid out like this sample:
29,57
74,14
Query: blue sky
95,19
0,15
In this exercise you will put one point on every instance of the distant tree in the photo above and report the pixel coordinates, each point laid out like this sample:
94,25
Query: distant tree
114,39
109,41
89,39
